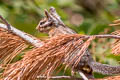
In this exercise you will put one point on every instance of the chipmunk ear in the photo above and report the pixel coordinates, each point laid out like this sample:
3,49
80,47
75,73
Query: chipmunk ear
47,14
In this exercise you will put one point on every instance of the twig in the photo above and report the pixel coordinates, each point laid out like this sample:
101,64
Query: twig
107,36
60,77
8,25
97,36
83,76
27,37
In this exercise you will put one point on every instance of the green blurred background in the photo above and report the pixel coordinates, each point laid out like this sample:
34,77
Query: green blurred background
84,16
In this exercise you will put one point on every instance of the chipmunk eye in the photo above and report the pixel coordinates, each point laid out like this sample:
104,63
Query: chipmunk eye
41,23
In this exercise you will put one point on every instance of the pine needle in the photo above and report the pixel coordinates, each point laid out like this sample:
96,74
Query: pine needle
115,23
116,44
44,60
10,46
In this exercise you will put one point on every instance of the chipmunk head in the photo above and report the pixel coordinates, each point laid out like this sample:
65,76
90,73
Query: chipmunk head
52,24
44,25
50,21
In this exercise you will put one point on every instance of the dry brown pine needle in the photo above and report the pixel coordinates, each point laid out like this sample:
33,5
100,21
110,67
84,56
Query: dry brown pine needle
116,44
115,23
44,60
10,45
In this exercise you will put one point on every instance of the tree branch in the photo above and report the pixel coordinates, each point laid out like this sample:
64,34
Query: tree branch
60,77
98,36
27,37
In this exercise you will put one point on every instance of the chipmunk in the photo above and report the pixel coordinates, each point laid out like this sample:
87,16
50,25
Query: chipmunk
53,25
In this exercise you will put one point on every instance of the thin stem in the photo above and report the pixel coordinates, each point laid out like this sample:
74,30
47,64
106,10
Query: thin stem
60,77
8,25
108,36
98,36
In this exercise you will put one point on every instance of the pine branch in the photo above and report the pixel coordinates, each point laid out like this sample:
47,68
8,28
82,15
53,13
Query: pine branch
13,42
27,37
44,59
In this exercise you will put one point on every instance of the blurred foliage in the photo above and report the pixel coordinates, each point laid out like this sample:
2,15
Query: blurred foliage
84,16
